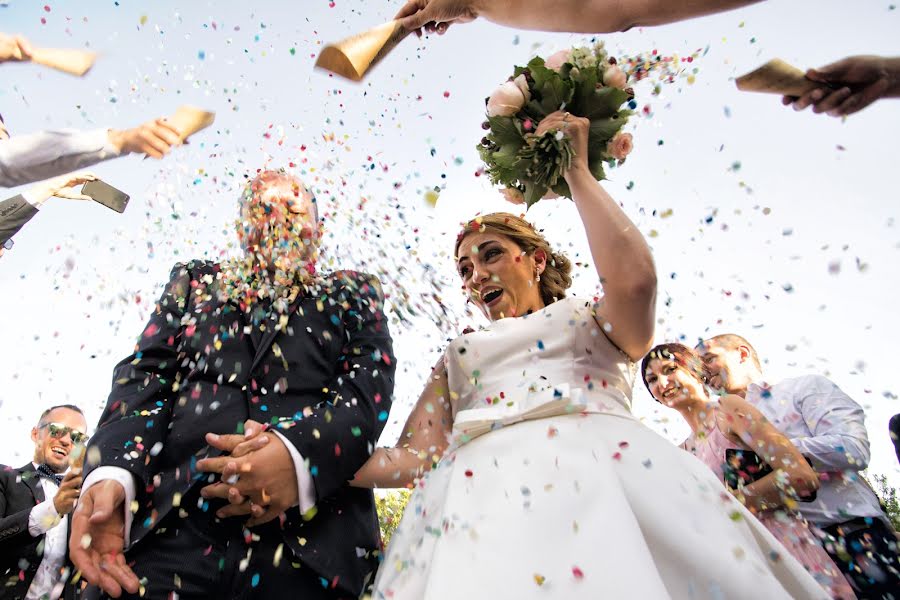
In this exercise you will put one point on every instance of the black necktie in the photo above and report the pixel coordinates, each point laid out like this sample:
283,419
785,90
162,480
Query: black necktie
45,472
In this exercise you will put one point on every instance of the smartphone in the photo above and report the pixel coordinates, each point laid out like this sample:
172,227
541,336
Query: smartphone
106,195
743,467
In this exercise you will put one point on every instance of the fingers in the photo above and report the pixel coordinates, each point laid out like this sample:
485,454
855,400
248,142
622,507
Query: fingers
419,16
234,510
168,132
225,443
25,48
410,8
264,516
213,465
216,490
830,101
811,97
249,446
115,574
252,428
860,100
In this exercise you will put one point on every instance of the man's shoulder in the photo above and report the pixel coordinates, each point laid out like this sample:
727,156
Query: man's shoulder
8,473
355,282
809,382
196,268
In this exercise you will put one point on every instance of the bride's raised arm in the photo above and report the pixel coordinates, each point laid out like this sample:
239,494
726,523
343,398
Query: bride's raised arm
624,264
423,441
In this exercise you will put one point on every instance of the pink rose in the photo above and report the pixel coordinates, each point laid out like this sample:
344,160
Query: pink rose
615,77
620,145
557,60
509,98
513,195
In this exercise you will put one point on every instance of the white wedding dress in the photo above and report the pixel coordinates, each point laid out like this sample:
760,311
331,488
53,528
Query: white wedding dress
536,499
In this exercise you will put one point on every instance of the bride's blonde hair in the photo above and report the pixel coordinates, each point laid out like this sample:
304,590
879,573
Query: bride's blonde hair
555,279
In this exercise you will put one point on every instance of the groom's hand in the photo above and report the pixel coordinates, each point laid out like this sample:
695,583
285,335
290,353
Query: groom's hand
98,539
257,478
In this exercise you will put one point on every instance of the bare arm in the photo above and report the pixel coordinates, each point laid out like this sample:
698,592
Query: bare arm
791,474
424,439
627,311
577,16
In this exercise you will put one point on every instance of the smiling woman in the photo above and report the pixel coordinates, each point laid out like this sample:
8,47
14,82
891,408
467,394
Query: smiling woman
507,268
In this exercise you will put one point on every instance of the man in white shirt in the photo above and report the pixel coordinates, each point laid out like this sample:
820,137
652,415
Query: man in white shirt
828,427
35,501
36,156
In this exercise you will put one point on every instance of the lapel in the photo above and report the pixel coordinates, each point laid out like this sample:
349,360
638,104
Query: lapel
263,340
33,482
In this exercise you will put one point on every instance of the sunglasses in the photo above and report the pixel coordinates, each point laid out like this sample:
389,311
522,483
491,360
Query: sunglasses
58,430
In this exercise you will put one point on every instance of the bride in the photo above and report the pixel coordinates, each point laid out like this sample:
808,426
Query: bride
532,478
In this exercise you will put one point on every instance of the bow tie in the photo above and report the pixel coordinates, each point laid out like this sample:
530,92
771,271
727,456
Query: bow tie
45,472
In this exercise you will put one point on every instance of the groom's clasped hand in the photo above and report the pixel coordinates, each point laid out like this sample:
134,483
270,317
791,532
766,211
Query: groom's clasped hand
256,474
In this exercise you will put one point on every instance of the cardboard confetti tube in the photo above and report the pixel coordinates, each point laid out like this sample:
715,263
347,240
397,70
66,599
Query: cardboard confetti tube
776,77
188,120
74,62
354,56
79,451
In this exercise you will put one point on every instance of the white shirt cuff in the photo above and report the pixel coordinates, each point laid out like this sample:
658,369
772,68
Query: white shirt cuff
42,518
32,199
305,487
124,477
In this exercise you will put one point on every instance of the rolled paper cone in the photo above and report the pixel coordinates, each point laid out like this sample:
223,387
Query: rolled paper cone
77,455
354,56
188,120
74,62
776,77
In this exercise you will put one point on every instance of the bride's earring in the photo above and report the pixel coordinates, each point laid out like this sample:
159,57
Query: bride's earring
537,276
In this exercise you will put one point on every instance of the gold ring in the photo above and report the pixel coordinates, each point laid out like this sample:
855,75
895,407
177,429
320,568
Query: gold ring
566,117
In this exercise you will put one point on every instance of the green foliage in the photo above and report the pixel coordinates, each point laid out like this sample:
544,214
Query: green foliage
515,158
890,498
390,505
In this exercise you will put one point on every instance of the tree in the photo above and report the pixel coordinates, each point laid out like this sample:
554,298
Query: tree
889,499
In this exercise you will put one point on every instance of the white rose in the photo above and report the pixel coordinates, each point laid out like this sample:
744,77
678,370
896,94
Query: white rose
509,98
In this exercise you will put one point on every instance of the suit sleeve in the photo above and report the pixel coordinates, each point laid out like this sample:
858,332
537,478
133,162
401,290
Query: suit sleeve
133,426
340,434
14,533
14,213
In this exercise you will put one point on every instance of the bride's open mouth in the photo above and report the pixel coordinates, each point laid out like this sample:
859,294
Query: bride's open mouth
491,296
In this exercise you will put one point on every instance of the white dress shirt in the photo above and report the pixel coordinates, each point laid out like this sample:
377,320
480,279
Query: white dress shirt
305,485
828,427
37,156
44,520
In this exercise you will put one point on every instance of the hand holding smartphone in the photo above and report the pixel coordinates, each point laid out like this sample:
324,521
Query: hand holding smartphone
106,195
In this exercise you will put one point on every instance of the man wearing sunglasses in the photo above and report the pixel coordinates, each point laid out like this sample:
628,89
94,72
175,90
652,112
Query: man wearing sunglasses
35,501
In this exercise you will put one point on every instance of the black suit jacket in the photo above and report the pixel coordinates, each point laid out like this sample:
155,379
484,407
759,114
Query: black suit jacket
14,213
20,491
325,372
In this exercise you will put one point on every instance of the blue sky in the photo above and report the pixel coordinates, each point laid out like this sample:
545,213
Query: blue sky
776,225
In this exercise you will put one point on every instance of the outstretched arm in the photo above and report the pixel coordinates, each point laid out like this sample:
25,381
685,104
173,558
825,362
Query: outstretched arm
627,311
424,439
791,475
577,16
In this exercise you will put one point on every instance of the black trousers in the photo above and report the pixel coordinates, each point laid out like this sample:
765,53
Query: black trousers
866,550
197,556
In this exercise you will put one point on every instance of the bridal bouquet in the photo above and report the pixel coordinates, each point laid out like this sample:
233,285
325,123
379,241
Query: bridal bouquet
583,81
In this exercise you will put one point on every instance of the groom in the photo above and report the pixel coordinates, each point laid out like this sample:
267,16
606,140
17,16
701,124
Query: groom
261,343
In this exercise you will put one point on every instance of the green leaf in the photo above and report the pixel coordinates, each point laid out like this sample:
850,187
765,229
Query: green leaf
504,131
507,156
604,103
554,92
533,192
596,167
585,87
602,130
